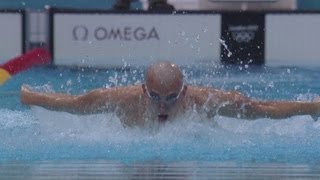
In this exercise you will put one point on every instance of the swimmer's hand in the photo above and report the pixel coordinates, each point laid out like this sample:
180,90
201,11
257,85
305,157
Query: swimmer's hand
316,116
26,94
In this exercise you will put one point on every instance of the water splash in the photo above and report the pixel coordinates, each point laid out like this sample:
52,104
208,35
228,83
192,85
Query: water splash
226,47
46,135
41,134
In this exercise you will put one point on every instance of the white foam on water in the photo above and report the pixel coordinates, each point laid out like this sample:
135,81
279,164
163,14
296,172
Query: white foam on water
40,133
191,128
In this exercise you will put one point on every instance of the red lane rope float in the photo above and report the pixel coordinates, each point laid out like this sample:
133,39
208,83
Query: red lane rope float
37,56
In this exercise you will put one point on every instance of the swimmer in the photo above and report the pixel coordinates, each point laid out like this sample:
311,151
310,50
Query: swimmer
163,97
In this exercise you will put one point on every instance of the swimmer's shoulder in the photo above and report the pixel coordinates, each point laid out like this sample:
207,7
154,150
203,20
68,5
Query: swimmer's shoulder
204,94
199,95
119,92
123,89
202,91
129,93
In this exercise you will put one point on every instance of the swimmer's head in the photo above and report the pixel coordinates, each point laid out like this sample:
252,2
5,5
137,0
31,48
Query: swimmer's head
164,87
164,76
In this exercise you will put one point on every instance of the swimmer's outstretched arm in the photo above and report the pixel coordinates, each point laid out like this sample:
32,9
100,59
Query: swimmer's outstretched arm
99,100
283,109
240,106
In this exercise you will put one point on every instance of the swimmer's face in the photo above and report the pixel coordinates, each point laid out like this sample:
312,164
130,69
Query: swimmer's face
164,89
164,101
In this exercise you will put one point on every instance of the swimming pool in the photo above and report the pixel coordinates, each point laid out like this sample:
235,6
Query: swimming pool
37,143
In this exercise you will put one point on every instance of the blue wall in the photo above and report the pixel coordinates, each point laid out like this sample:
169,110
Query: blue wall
107,4
39,4
309,4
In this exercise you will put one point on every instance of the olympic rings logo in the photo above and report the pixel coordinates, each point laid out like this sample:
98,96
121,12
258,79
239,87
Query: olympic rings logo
243,36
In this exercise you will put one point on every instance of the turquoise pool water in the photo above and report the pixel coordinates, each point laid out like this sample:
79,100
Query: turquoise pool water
37,143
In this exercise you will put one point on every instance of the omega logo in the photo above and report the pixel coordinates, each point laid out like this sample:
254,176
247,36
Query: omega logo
127,33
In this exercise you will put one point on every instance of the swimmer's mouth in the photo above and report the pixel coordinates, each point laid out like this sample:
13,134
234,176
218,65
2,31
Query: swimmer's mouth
163,117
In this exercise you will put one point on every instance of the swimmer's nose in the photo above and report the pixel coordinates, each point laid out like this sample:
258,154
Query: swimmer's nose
162,106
